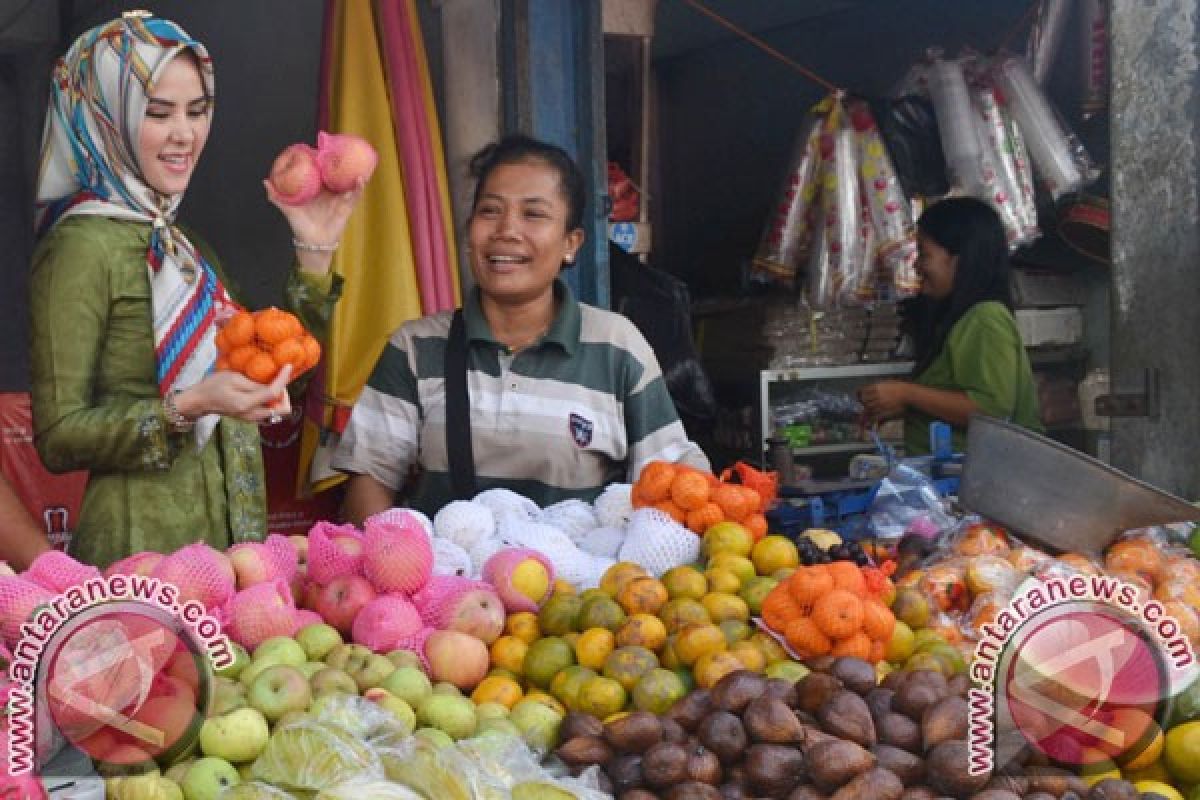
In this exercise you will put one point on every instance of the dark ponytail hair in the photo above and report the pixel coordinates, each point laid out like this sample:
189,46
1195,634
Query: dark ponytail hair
521,149
972,230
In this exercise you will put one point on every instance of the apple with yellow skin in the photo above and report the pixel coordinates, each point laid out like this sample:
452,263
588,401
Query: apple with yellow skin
239,737
531,579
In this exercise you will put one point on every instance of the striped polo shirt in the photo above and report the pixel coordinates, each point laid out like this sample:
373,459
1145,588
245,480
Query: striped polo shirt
584,407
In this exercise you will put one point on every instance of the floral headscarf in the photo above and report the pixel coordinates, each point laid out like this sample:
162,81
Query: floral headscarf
98,100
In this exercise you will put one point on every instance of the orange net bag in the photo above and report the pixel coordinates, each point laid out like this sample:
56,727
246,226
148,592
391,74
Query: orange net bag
765,483
258,344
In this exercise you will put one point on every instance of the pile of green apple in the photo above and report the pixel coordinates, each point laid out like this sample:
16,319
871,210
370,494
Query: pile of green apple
291,679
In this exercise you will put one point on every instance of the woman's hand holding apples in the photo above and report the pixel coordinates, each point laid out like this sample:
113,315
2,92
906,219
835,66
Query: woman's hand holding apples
317,190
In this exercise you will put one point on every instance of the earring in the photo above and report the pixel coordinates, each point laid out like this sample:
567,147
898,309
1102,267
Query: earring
570,258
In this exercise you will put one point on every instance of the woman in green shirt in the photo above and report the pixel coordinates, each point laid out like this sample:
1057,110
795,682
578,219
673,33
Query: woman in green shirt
970,358
125,307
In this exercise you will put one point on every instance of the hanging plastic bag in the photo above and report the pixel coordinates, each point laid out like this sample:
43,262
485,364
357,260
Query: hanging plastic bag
1045,36
788,233
840,200
1060,159
1000,169
956,123
909,129
890,215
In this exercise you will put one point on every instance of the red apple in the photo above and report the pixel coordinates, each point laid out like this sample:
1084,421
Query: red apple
295,175
343,158
340,601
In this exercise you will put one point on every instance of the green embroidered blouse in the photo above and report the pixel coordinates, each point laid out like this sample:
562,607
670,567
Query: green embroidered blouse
96,404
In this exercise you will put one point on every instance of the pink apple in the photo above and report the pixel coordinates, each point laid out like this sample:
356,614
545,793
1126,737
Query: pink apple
295,175
343,158
456,658
340,601
251,563
350,545
479,613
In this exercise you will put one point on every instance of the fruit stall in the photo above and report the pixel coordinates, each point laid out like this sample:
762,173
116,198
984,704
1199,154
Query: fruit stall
661,641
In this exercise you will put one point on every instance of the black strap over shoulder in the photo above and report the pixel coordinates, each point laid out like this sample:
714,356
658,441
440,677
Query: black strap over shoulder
460,456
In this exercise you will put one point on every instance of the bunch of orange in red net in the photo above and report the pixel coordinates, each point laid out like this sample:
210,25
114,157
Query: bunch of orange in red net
258,344
698,500
837,609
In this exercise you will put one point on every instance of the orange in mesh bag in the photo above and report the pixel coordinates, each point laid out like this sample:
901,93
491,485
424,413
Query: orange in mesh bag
765,483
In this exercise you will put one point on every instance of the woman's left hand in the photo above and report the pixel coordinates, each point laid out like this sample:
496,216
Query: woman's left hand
885,399
319,222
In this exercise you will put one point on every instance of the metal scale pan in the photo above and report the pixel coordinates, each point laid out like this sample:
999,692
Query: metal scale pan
1054,495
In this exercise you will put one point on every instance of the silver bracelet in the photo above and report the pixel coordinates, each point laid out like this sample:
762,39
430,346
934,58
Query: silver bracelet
176,421
314,248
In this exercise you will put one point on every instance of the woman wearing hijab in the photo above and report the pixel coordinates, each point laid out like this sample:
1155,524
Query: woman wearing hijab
125,304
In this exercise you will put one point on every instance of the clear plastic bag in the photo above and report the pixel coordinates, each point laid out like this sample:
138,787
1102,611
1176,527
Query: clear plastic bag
311,757
906,497
369,789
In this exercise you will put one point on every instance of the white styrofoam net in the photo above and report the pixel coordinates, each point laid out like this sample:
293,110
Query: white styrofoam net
658,542
450,559
502,500
573,565
573,517
603,542
481,552
614,506
465,523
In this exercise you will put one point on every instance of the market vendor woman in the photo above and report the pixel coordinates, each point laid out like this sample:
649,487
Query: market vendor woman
969,354
563,398
125,304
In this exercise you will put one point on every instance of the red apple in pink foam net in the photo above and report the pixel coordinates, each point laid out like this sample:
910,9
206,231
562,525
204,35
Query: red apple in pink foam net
339,601
343,158
295,175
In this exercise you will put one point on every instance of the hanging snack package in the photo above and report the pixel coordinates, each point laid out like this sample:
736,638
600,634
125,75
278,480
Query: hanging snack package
1056,156
788,234
1001,169
1045,36
956,125
892,224
1094,26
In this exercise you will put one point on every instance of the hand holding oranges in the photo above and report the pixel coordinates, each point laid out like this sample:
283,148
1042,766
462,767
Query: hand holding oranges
258,344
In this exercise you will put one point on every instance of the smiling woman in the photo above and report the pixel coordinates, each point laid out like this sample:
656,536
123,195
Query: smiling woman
175,128
563,398
125,304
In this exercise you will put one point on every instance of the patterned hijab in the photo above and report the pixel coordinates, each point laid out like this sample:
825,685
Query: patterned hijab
98,100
